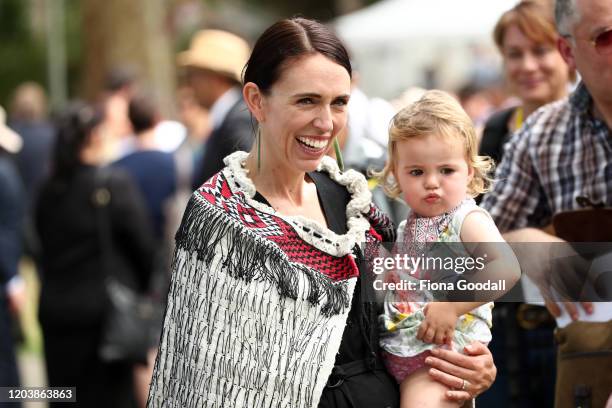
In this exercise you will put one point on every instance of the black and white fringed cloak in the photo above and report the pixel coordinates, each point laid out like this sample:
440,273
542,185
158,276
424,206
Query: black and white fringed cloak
258,301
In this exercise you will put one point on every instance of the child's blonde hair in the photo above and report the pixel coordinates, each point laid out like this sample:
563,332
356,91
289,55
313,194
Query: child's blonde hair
436,113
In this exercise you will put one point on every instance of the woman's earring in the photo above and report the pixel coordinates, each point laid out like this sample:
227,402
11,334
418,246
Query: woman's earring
338,154
258,149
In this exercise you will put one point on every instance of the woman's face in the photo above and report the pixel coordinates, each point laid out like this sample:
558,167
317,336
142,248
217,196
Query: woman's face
304,110
536,72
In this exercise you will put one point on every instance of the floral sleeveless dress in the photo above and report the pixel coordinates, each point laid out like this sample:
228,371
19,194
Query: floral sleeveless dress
402,352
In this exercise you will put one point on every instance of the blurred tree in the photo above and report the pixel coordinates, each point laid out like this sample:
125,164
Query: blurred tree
22,56
134,33
319,9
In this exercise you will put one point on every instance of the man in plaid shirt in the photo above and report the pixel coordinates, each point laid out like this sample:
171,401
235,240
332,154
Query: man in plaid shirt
564,150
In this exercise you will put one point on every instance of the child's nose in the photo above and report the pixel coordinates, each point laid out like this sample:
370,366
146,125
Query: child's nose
431,181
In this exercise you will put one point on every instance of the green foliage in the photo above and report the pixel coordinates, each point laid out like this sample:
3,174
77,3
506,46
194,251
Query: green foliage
22,57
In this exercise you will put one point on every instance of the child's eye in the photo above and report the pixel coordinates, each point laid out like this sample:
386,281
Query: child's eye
447,170
416,172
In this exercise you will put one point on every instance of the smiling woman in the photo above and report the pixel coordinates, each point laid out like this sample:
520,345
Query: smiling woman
534,69
265,308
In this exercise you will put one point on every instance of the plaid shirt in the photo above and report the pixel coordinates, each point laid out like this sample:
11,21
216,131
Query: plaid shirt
561,152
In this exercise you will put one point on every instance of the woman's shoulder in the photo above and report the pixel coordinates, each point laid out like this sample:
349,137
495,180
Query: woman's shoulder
350,180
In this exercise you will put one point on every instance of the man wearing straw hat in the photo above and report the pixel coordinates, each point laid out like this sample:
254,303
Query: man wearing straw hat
11,288
214,64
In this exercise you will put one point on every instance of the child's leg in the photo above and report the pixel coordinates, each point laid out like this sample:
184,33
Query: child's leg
419,390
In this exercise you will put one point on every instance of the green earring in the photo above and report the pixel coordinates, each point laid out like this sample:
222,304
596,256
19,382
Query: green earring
258,149
338,154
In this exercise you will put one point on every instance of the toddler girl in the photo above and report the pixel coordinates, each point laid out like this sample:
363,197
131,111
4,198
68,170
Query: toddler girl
433,163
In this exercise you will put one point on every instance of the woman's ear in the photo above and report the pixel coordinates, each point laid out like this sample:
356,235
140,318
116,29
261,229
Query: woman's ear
254,99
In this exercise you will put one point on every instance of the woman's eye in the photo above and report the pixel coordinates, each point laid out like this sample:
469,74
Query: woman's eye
447,171
541,50
416,172
514,54
340,102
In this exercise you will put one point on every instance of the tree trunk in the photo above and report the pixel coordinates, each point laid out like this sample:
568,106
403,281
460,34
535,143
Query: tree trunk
128,33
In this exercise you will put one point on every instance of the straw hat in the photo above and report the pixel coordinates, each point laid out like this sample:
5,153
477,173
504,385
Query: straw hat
9,139
218,51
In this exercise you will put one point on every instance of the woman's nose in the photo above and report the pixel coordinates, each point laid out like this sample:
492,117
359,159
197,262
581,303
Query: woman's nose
529,62
324,121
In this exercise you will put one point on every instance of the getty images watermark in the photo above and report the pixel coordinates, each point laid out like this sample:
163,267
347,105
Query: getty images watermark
406,266
485,271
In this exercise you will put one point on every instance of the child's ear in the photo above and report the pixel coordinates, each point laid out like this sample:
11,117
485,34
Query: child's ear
470,173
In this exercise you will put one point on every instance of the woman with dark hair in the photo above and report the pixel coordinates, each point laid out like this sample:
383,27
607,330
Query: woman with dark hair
268,306
75,260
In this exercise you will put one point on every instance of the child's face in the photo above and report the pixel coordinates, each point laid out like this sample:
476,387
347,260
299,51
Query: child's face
432,173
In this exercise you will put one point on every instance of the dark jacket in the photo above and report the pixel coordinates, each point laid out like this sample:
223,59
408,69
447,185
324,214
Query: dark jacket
495,135
11,211
235,133
73,290
11,214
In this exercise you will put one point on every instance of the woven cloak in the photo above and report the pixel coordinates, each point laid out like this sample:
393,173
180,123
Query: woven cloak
258,301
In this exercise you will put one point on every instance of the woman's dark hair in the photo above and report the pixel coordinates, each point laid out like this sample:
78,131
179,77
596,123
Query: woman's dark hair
74,126
287,40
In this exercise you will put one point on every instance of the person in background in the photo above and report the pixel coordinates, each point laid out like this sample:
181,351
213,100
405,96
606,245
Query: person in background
152,169
560,154
11,286
76,260
363,142
196,119
214,65
119,87
474,99
29,118
154,173
536,74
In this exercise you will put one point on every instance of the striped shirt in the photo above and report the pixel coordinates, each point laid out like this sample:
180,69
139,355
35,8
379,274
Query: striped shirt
561,152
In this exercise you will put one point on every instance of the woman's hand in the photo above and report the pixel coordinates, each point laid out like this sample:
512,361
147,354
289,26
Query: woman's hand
452,368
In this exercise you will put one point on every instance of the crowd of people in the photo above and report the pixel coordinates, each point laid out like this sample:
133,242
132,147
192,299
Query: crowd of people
264,271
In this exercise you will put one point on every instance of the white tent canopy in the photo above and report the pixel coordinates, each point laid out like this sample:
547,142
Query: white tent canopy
393,41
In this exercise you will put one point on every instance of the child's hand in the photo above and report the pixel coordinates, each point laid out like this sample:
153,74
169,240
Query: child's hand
439,324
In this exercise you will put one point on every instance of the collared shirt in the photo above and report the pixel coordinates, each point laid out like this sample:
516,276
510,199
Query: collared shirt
222,106
561,152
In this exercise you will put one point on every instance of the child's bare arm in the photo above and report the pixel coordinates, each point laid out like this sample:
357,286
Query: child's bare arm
483,240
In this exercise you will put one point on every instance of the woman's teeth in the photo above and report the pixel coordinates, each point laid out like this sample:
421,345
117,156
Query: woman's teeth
313,143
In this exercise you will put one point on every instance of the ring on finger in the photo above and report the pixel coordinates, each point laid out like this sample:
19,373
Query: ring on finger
464,385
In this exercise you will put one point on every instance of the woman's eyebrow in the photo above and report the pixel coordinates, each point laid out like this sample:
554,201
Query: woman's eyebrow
307,95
